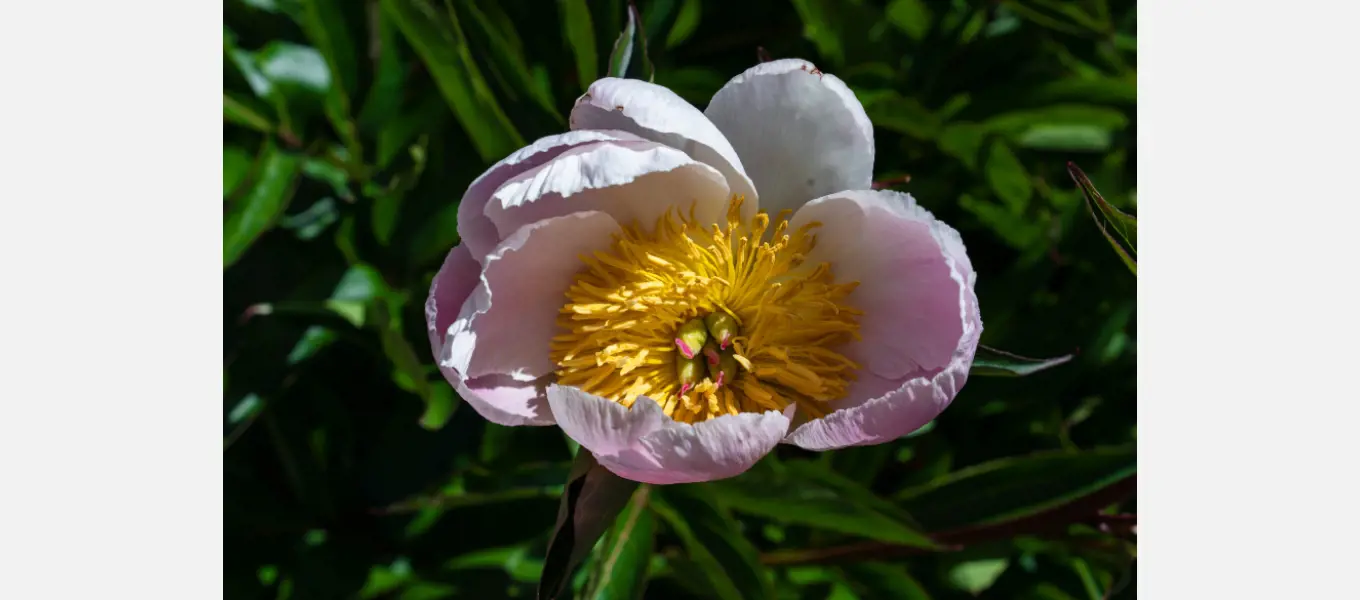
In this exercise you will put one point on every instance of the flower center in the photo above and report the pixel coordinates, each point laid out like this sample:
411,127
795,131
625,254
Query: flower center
708,321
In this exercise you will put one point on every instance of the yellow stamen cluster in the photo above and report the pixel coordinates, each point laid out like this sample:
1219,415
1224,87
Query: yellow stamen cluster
624,312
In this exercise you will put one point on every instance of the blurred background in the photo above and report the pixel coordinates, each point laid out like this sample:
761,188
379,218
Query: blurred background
351,130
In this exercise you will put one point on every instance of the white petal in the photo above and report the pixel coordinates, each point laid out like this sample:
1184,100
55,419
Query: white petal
508,321
643,444
477,231
658,114
630,181
800,133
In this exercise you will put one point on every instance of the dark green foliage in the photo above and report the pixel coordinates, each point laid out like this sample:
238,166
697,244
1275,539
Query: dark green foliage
352,128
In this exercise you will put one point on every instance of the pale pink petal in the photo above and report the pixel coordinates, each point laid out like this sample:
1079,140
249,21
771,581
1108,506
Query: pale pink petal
915,281
660,115
917,349
506,324
800,133
497,400
630,181
477,231
643,444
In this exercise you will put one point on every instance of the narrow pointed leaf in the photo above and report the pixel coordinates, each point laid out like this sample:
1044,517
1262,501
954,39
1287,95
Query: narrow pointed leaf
623,47
709,529
1009,489
777,493
999,363
580,33
1121,229
440,43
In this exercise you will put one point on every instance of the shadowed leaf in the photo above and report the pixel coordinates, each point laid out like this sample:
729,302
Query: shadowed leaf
592,499
1119,228
999,363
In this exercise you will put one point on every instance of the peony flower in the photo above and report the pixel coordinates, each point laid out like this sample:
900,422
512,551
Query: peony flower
680,291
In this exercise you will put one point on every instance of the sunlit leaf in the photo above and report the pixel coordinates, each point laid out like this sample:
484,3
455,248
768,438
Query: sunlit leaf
1008,178
977,576
686,21
260,208
621,567
580,33
440,43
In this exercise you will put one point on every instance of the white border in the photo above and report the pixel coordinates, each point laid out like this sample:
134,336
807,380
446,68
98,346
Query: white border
1248,124
110,441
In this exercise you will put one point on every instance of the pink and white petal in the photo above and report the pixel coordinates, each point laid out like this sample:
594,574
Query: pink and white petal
451,287
630,181
800,133
888,417
477,231
658,114
504,401
915,281
506,324
499,401
643,444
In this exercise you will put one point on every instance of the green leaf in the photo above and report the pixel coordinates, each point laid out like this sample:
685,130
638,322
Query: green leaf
1017,123
400,132
895,112
508,59
963,141
384,99
686,22
439,407
440,43
580,32
310,223
251,216
1073,138
882,580
236,163
387,202
293,70
245,112
999,363
911,16
324,23
621,570
591,501
1008,489
435,236
715,542
977,576
787,496
1124,238
1018,233
819,28
622,54
1008,177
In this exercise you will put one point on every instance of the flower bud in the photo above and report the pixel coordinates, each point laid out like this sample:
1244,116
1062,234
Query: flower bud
722,327
690,371
711,353
724,371
691,337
